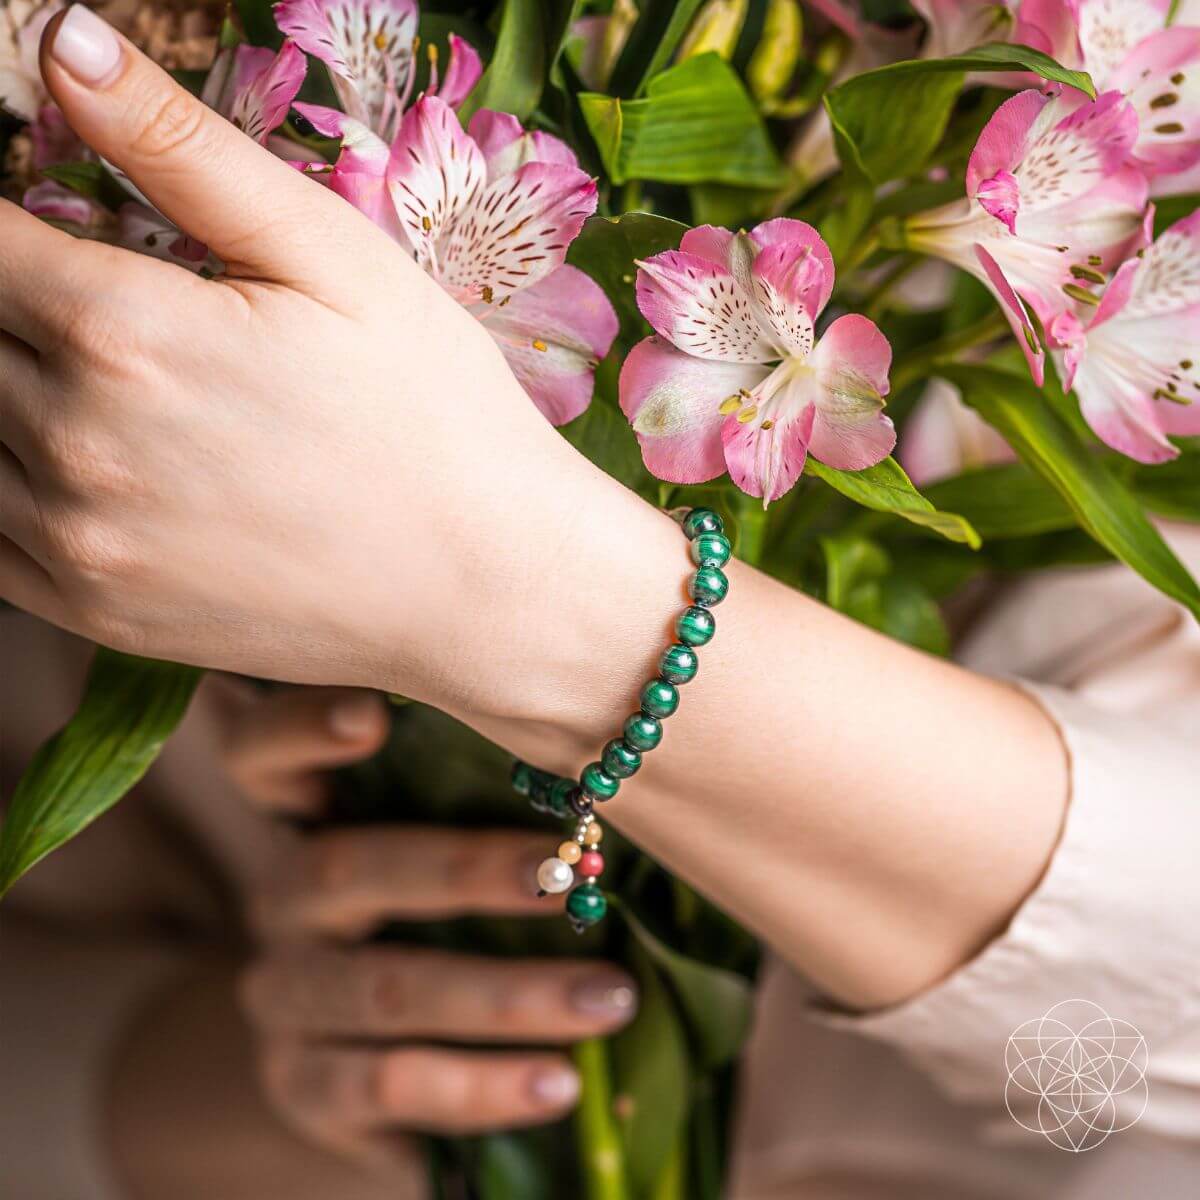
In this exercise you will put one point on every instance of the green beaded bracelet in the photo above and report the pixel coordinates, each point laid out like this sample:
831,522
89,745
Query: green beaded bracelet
578,864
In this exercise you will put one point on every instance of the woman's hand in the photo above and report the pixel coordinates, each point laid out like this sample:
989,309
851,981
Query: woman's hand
356,1040
287,470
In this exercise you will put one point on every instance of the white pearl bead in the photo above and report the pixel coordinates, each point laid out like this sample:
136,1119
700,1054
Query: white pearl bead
555,876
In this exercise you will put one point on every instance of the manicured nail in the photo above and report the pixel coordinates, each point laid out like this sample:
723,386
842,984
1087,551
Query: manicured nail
355,719
555,1086
86,45
610,996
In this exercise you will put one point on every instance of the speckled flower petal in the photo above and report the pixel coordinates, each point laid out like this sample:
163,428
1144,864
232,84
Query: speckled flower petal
553,334
700,307
261,104
367,46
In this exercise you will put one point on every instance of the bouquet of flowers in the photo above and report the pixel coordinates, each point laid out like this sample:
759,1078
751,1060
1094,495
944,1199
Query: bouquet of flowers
907,290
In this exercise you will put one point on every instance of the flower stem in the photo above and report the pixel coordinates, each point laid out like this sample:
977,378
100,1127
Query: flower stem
601,1155
751,527
670,1184
919,363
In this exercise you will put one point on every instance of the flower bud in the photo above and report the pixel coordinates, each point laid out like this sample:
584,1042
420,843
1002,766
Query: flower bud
716,28
774,60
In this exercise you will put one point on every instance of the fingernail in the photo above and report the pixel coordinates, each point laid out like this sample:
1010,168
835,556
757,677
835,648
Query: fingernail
555,1086
86,45
355,719
604,996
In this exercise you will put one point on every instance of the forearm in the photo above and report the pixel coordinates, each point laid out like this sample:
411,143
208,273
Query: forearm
874,813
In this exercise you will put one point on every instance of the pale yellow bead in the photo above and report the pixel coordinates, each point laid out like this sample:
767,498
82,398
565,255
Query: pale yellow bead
593,834
570,852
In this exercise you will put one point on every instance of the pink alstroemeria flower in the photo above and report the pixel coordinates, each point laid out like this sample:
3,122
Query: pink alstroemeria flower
736,378
1053,203
368,47
1135,366
1127,46
489,214
958,25
22,92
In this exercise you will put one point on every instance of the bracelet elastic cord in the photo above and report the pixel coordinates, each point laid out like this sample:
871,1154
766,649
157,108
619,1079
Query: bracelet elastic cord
578,863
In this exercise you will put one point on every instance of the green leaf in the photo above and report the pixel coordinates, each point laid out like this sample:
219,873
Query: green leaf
717,1005
514,78
608,250
1169,209
258,22
893,118
696,124
130,706
651,43
1104,506
652,1075
886,488
90,179
860,582
1008,501
1170,489
511,1166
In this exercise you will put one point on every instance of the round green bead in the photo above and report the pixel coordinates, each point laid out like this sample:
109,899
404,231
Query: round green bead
597,783
702,520
587,904
643,732
711,550
678,664
695,626
659,698
708,586
620,760
559,799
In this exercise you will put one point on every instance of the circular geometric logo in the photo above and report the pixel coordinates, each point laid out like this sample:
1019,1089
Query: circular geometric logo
1086,1070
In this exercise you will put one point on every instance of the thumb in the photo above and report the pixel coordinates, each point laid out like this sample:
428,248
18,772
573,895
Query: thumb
207,177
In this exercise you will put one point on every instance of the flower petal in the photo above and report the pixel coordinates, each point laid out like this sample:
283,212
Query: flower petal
506,145
462,72
674,403
262,104
700,307
233,71
851,360
1017,314
1000,195
1161,77
1002,141
360,173
434,173
708,241
366,44
147,231
765,458
553,334
1169,275
515,231
53,202
54,141
788,231
788,281
1110,29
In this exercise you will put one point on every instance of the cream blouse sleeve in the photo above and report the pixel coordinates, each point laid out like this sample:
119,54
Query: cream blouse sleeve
1115,920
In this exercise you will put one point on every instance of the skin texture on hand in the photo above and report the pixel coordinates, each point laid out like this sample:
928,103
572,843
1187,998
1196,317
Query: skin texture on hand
318,469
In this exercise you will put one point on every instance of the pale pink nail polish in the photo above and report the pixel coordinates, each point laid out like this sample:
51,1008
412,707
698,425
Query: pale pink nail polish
86,46
555,1086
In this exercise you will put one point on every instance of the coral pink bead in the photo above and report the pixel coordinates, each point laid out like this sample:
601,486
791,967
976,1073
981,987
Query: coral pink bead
591,864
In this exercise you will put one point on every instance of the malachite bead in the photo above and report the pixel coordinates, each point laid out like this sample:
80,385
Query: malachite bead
522,778
711,550
678,664
702,520
708,586
620,760
659,698
587,904
559,798
643,732
598,783
695,626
